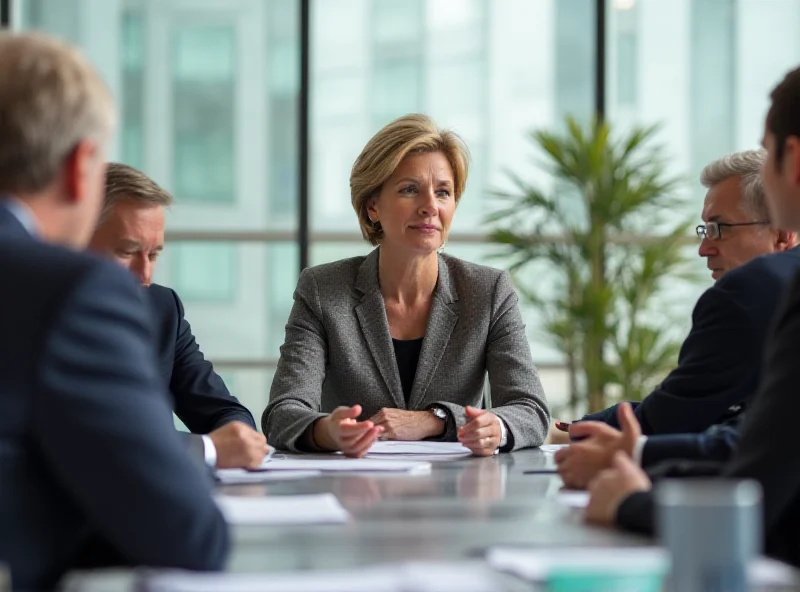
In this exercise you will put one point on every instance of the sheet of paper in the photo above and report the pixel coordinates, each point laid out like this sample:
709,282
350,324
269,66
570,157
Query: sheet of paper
552,448
240,476
338,463
420,577
574,499
284,509
392,448
768,572
534,565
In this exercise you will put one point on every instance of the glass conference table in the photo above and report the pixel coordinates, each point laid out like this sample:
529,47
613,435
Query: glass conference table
455,512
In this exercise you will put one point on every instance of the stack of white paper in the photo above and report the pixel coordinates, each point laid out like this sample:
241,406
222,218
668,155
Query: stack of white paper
337,463
286,509
420,577
240,476
396,449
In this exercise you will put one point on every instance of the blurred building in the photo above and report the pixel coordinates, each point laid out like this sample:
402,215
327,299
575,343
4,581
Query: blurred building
208,91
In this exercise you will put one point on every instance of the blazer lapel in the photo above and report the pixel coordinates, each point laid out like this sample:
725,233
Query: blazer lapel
443,317
371,313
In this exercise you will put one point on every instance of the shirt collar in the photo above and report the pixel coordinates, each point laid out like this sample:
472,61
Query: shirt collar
21,212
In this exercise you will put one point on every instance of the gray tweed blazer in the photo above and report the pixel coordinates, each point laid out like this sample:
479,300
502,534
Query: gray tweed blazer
338,351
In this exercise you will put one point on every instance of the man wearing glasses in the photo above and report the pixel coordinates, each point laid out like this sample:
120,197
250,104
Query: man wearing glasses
719,366
768,452
736,225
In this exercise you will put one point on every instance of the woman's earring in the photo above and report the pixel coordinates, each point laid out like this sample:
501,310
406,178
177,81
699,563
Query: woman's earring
441,249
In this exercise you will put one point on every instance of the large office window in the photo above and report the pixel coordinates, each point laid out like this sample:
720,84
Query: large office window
207,93
493,70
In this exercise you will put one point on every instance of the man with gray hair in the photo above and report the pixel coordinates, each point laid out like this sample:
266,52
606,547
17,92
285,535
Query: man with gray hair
92,471
736,225
694,413
131,232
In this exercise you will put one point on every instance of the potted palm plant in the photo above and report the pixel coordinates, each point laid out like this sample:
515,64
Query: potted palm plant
612,235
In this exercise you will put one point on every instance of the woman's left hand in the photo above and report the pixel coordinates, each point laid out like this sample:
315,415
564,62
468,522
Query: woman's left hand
482,432
399,424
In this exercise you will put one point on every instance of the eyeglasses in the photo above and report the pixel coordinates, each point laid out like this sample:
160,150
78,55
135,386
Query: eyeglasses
713,230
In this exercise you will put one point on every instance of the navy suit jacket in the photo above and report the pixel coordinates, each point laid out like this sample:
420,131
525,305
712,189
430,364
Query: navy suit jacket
769,450
201,400
92,470
719,366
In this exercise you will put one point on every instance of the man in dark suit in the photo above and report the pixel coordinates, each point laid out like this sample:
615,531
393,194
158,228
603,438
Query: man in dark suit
769,450
720,362
131,231
92,471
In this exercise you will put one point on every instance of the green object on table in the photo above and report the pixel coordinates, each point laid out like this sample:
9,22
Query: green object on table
583,580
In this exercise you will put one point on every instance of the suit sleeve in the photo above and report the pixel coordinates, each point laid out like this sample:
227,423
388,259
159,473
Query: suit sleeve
608,416
768,447
637,513
202,401
715,366
295,396
718,443
517,394
104,424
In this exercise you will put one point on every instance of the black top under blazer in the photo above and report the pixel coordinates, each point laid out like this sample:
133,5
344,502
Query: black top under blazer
338,351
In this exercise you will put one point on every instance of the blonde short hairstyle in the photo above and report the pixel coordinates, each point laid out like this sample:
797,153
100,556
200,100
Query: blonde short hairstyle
51,99
126,182
378,160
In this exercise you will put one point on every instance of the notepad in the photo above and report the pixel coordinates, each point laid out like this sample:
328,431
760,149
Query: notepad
338,463
390,448
323,508
243,476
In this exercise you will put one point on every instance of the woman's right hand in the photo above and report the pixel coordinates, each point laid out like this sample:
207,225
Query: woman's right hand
342,431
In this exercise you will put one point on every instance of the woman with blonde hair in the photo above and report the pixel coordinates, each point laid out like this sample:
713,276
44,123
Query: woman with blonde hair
397,344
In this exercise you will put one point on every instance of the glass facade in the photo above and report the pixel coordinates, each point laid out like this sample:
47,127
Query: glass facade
208,94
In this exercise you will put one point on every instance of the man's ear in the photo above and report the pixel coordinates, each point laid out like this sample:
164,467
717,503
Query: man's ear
791,159
785,240
78,170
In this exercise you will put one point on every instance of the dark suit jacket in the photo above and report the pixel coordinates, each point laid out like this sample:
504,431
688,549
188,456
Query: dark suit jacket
201,400
717,443
338,351
91,468
769,449
719,367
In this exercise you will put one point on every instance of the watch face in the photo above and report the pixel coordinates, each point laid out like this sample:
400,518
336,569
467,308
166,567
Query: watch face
440,413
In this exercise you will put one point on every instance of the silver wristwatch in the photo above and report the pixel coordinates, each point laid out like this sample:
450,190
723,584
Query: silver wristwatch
440,413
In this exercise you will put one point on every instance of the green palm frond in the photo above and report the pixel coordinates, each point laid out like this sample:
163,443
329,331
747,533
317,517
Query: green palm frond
598,309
